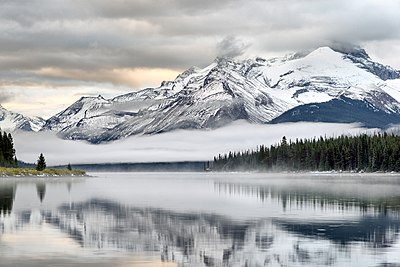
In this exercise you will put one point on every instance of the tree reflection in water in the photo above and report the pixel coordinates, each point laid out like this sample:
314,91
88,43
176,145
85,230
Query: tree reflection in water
201,238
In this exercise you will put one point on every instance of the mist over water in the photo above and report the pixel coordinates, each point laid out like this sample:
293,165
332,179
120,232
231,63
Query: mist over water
180,145
201,219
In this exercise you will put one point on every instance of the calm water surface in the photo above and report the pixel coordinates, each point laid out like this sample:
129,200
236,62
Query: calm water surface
201,219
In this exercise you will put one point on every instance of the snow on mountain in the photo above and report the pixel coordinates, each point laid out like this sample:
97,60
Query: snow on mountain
256,90
11,121
83,108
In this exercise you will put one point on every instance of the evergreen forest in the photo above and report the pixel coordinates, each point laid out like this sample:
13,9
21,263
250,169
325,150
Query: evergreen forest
7,151
378,152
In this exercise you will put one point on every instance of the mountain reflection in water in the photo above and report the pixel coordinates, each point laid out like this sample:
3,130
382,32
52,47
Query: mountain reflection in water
253,222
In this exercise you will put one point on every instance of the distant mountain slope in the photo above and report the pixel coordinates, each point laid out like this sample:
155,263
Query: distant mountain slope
256,90
343,110
11,121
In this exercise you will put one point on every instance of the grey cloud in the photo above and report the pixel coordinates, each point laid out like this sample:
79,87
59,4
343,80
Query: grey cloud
27,12
5,96
97,48
231,46
176,34
298,25
166,8
274,25
172,57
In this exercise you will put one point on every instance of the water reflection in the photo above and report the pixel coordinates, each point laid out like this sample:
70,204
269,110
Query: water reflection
101,223
320,197
373,231
41,190
300,225
7,195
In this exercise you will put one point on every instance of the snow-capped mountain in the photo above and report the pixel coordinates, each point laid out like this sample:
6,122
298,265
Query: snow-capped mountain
11,121
257,90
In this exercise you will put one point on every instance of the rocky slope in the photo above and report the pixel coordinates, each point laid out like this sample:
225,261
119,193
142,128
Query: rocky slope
11,121
256,90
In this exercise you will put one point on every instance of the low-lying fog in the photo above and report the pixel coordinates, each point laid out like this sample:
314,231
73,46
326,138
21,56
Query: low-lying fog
180,145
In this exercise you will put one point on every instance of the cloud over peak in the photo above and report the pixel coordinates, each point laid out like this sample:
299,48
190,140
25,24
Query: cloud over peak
231,46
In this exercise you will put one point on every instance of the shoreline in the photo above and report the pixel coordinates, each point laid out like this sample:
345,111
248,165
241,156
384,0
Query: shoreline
29,172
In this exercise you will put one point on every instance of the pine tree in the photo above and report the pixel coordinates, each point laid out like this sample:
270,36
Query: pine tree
69,167
41,163
7,151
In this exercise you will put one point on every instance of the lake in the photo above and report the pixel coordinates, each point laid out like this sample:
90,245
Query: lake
201,219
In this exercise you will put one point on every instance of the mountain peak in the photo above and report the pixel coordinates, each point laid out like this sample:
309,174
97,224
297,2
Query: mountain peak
224,60
183,75
255,90
348,50
324,50
92,98
324,55
11,121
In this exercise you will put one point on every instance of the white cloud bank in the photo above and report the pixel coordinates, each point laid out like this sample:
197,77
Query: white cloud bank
181,145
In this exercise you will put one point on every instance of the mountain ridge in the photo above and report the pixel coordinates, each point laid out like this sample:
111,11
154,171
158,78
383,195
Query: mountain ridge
12,121
257,90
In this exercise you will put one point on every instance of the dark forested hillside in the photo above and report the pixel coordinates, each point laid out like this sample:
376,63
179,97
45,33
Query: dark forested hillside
380,152
7,151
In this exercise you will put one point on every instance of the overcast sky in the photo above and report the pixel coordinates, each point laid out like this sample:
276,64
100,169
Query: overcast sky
54,51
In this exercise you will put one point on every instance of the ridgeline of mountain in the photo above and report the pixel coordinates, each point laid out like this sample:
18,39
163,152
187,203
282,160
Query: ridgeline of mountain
323,85
11,121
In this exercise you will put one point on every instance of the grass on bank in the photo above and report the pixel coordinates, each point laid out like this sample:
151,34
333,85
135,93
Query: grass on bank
33,172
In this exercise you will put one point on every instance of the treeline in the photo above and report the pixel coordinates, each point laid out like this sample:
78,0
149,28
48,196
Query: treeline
7,151
379,152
